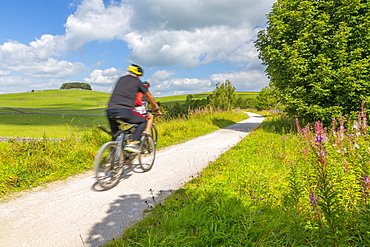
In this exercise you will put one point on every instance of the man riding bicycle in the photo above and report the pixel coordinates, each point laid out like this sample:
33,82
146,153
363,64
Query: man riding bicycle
121,105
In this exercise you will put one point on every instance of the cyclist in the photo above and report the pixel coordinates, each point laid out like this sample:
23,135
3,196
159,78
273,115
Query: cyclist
122,103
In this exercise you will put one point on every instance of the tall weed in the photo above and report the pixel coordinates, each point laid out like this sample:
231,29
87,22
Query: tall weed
336,182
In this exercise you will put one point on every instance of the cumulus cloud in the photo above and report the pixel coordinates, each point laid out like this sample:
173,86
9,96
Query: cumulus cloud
162,83
50,68
188,49
189,33
250,80
159,34
5,72
95,21
193,14
16,84
104,77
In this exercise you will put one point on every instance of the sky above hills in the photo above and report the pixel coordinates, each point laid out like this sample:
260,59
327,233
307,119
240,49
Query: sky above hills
184,47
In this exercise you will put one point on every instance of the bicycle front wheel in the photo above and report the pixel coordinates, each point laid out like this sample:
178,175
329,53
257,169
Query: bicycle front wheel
147,154
108,165
154,133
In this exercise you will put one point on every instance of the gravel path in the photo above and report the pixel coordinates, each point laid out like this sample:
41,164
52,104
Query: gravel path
76,212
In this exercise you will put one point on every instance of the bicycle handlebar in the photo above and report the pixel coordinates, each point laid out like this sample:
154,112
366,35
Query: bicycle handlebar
157,115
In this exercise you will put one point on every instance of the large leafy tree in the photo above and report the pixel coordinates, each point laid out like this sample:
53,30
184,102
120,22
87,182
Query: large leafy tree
317,56
266,99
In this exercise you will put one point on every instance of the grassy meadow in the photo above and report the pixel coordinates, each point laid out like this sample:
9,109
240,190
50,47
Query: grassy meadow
277,187
282,185
28,164
68,102
79,103
171,100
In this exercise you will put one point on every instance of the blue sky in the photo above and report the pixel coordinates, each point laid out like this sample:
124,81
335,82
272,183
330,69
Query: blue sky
184,47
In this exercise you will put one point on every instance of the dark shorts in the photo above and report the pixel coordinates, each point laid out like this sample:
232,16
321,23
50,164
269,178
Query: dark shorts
126,115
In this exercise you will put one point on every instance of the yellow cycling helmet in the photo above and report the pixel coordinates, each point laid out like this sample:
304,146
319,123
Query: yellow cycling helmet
136,69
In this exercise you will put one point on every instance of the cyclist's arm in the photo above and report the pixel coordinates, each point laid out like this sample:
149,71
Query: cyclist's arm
152,102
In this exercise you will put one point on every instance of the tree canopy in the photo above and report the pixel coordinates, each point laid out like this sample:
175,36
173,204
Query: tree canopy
78,85
317,56
224,96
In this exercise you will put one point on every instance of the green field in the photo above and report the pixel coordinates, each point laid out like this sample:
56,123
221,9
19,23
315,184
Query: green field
30,114
56,99
171,100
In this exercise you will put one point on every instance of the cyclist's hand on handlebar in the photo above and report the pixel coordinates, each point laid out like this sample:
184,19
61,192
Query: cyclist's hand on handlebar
159,113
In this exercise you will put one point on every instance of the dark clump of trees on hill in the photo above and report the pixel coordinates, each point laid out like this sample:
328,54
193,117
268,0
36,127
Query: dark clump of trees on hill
76,85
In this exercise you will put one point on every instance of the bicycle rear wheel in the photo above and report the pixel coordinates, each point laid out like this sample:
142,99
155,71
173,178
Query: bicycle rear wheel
108,169
147,154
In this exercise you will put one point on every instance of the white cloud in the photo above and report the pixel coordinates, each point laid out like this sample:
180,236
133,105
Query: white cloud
104,77
92,21
5,72
50,69
184,84
162,83
189,33
193,14
251,80
160,33
188,49
95,21
161,75
13,84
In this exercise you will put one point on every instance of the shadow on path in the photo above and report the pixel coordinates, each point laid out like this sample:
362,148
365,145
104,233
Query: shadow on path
247,125
123,212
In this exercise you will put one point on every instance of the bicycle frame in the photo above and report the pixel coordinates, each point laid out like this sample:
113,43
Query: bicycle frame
112,160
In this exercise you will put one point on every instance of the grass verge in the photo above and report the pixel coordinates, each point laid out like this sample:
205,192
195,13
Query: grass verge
260,193
29,164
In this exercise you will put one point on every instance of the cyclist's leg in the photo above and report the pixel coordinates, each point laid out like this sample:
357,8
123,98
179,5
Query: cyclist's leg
114,126
149,123
136,118
128,116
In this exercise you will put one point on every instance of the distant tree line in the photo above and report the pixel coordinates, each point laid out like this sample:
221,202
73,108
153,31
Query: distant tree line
78,85
223,97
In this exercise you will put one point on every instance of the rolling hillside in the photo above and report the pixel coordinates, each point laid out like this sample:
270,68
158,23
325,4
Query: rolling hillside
62,113
51,113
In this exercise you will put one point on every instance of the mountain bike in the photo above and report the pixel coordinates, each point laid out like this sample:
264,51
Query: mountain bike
112,160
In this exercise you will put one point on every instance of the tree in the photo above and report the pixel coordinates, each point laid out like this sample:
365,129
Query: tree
266,99
77,85
224,96
317,56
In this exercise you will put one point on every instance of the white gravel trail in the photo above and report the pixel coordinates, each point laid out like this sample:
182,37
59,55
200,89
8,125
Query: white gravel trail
75,212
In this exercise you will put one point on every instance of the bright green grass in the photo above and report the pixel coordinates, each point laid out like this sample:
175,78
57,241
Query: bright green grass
171,100
56,99
63,102
235,201
50,126
247,95
25,165
253,196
